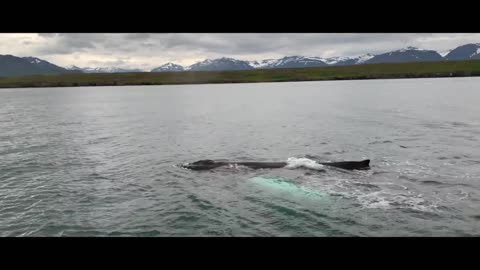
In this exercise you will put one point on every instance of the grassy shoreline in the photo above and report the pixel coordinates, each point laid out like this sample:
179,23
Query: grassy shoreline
357,72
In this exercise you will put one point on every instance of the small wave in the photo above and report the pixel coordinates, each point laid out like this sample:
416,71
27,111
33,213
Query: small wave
380,172
477,217
97,176
437,183
473,161
377,142
408,178
432,182
69,123
434,125
293,163
367,185
459,124
149,233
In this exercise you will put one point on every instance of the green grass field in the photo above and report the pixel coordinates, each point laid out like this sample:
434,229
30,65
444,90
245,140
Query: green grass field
357,72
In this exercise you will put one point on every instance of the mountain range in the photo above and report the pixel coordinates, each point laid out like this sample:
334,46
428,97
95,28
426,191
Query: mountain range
409,54
21,66
102,69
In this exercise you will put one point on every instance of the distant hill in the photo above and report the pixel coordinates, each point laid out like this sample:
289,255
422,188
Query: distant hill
410,54
223,63
168,67
289,62
465,52
21,66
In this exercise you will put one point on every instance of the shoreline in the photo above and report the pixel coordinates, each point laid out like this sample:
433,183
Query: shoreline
214,83
445,69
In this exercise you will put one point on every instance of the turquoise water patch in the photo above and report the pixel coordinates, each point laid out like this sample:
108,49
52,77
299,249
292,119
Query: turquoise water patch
283,187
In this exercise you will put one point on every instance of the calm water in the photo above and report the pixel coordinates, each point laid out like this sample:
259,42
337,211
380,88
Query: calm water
100,161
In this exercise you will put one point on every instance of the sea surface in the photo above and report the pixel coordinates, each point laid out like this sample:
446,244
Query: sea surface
102,161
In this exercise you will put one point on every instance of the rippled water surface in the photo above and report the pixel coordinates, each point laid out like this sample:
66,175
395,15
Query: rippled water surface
100,161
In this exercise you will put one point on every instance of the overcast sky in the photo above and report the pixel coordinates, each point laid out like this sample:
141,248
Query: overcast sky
146,51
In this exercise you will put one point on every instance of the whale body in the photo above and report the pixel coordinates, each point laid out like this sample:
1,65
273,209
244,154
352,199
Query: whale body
208,164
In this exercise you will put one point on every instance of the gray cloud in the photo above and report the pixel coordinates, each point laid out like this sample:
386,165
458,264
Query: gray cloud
147,44
151,50
47,35
107,63
140,36
68,43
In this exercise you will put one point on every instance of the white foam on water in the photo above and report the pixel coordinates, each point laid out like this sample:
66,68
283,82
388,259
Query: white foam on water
293,163
386,198
236,166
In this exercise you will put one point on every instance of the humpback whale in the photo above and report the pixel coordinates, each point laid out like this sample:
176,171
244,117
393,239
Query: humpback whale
208,164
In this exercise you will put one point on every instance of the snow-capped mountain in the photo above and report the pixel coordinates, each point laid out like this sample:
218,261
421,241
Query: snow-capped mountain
34,60
168,67
363,58
223,63
299,61
444,53
338,60
290,62
45,65
73,67
464,52
21,66
303,61
409,54
345,61
103,69
267,63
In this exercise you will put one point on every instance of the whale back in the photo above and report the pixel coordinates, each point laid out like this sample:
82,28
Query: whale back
203,162
350,165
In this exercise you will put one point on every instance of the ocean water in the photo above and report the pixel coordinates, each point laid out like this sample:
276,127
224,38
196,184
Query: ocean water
101,161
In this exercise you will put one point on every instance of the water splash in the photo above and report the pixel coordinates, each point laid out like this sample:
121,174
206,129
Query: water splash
293,163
